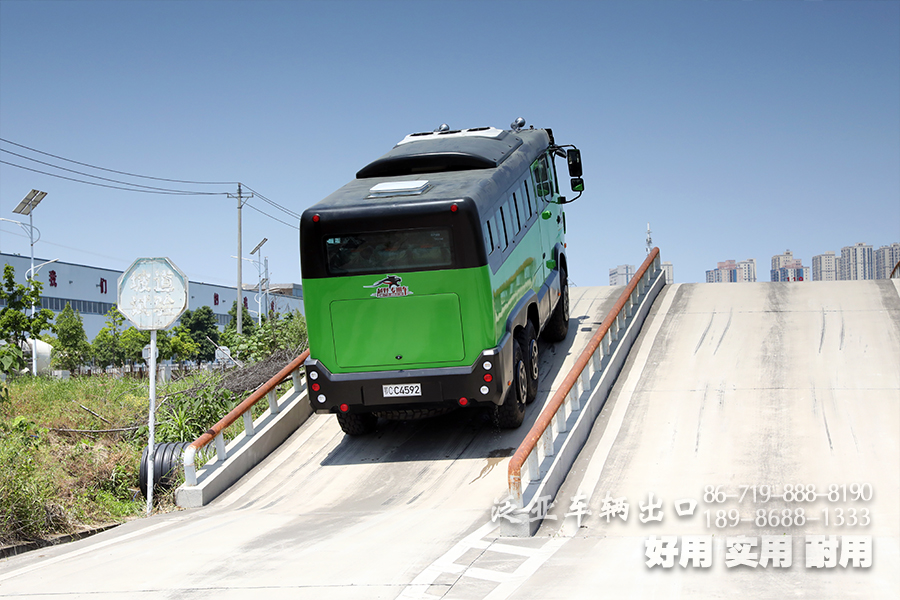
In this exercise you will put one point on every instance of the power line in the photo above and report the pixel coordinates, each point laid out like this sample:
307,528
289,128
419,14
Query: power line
137,185
273,203
119,172
271,217
115,187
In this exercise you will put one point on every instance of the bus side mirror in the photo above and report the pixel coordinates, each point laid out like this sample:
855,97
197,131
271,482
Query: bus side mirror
577,184
573,157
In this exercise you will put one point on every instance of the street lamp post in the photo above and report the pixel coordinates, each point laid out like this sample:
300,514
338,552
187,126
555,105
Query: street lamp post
25,207
259,272
28,203
30,274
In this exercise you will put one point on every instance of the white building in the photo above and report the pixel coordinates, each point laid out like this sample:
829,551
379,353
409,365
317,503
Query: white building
787,268
91,291
886,258
857,262
730,271
621,275
825,267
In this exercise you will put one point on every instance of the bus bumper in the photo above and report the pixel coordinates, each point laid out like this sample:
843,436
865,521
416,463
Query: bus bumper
484,382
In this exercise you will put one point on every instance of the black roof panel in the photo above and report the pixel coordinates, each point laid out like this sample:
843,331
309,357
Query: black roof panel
442,152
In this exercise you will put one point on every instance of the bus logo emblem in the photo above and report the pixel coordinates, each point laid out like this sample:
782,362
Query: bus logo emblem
390,287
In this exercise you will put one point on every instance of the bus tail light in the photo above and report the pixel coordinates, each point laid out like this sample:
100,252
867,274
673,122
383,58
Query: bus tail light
344,408
488,377
316,218
315,387
463,401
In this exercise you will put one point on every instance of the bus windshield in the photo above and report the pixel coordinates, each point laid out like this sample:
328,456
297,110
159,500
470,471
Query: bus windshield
381,251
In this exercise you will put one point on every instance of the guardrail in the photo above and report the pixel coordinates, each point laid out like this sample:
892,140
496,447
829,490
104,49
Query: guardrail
550,433
216,432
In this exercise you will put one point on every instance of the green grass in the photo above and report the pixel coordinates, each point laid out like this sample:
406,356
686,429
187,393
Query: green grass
63,468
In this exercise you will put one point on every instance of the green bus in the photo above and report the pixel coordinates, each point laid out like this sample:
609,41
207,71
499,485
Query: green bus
428,279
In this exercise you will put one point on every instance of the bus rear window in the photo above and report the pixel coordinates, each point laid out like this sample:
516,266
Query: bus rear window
381,251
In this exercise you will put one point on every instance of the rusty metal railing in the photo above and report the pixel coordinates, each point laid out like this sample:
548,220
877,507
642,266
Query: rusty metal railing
539,440
215,433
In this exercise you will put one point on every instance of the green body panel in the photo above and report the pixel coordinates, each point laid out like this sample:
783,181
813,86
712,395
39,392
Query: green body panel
445,320
522,271
429,331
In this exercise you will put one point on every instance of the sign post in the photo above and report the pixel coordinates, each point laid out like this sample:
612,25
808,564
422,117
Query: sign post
152,294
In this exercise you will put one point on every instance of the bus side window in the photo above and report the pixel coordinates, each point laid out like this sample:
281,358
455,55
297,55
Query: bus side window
551,176
541,177
514,213
523,192
488,237
501,222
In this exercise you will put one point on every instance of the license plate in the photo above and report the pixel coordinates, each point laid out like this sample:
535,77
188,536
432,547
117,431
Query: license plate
402,390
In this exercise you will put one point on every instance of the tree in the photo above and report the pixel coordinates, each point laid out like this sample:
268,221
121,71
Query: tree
183,346
133,341
247,322
17,300
107,346
201,324
72,348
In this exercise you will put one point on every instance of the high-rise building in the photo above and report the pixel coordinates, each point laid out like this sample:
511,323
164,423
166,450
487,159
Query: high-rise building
886,258
669,270
621,275
787,268
748,269
825,267
779,260
730,271
857,262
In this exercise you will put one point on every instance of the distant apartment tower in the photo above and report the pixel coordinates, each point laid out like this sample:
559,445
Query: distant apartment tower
731,271
779,260
886,258
669,270
825,267
787,268
621,275
857,262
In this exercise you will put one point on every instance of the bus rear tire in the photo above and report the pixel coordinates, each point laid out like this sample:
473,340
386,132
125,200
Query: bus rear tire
558,325
511,413
358,424
528,341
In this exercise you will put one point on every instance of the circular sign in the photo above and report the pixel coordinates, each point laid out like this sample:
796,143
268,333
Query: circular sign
152,293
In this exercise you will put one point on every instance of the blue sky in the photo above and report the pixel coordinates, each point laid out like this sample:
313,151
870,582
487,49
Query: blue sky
737,129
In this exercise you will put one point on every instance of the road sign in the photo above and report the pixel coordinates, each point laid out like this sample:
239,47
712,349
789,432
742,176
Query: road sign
223,353
146,352
152,293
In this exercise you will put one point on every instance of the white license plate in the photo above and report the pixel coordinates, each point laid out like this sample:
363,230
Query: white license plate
402,390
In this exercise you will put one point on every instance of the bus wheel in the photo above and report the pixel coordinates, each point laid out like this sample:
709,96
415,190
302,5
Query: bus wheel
511,413
558,324
528,340
358,424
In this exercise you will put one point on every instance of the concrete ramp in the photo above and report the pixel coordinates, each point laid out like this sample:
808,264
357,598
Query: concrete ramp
731,387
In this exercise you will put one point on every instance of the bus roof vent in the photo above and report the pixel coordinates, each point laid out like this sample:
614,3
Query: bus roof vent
399,188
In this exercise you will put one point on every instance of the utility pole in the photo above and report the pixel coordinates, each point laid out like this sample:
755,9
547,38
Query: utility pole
240,281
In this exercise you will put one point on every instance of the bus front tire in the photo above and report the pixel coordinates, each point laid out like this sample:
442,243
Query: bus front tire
358,424
527,339
558,325
511,413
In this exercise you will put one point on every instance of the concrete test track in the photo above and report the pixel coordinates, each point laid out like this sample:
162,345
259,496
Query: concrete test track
727,385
